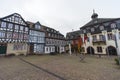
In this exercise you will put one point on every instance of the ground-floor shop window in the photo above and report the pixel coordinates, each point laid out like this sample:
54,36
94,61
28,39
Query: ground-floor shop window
38,48
19,46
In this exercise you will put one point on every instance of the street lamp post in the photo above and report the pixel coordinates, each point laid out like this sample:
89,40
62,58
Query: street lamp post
114,31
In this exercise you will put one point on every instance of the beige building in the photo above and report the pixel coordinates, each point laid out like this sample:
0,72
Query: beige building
13,35
103,36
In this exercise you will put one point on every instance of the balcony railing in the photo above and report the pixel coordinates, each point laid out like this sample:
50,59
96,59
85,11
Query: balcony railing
99,41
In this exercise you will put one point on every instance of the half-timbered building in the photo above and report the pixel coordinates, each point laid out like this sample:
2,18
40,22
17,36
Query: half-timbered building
54,41
13,35
36,38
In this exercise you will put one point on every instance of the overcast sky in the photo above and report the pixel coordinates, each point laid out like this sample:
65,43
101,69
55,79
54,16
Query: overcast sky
62,15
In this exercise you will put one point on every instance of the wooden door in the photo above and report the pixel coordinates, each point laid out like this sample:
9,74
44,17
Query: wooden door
3,48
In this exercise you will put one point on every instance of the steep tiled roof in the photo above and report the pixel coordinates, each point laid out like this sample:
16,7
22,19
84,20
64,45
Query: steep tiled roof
30,24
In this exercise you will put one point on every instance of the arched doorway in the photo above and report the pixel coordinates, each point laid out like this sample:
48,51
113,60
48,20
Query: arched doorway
90,50
111,50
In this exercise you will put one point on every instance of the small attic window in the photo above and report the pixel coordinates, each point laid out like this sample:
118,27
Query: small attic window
47,29
37,26
92,29
84,31
113,25
101,27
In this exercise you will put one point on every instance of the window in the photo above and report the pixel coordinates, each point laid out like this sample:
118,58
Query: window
99,49
38,48
101,27
16,28
31,32
19,46
25,36
20,36
92,29
88,39
37,26
26,28
47,29
21,28
15,35
3,24
9,35
102,37
113,25
84,31
94,38
110,36
49,34
51,30
118,25
10,26
2,34
16,19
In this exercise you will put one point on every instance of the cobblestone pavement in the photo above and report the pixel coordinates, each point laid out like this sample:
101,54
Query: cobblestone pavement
58,67
15,69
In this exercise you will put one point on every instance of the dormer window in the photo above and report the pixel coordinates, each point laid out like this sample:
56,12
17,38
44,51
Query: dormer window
101,27
51,30
37,26
113,25
92,29
84,31
47,29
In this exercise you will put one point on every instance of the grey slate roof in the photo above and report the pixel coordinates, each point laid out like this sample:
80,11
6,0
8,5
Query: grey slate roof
98,21
73,35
